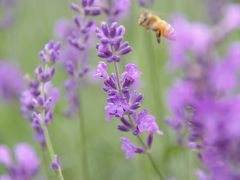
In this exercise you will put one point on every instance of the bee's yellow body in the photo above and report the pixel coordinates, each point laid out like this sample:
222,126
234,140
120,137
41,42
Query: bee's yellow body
156,24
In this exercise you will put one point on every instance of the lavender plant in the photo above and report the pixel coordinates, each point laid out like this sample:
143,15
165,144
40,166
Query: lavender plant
204,102
26,165
124,101
77,38
39,99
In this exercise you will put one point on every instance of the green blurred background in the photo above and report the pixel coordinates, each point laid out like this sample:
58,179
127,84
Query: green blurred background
35,20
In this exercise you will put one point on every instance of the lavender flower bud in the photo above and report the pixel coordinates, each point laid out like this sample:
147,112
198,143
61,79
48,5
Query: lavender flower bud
50,53
112,46
56,163
123,128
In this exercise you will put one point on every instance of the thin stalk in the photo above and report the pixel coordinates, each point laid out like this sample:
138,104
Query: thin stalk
150,158
48,139
45,164
83,140
118,79
132,122
50,149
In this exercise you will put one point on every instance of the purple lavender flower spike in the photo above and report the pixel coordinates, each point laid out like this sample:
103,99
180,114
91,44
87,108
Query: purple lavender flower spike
123,100
33,100
77,37
39,108
27,163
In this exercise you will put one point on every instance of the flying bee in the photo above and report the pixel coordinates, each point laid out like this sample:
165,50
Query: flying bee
153,23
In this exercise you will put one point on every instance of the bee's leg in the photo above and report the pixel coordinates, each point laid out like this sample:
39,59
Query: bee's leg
158,35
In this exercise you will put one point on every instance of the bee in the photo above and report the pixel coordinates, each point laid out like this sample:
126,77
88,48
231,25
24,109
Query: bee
153,23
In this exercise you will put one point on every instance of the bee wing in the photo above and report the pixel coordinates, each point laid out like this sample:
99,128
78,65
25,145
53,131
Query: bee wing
171,34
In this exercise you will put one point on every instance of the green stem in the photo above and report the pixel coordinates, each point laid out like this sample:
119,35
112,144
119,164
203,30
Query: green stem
150,158
45,163
132,122
118,79
83,141
47,137
50,149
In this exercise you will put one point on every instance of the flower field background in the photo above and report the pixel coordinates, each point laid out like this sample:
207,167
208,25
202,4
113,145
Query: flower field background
178,155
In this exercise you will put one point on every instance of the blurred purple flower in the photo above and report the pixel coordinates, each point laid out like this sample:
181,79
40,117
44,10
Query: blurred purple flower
27,163
193,37
11,82
77,37
63,29
231,19
204,102
114,10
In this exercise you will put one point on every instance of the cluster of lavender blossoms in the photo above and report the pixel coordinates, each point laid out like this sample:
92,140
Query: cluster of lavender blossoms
123,100
11,82
39,99
205,102
25,166
77,43
78,40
